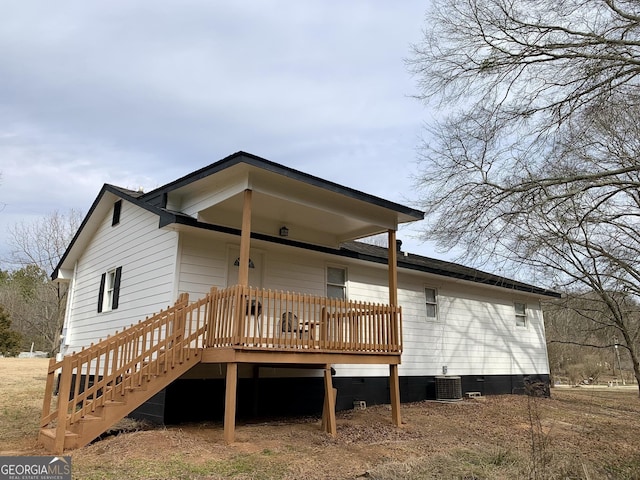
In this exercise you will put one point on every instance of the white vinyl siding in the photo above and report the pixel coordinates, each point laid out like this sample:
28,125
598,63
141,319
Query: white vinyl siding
480,338
203,263
475,333
147,255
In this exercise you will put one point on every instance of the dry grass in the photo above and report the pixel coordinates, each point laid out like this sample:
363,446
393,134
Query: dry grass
581,433
22,382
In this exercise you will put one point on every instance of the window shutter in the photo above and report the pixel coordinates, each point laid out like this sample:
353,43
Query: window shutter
117,208
116,289
103,279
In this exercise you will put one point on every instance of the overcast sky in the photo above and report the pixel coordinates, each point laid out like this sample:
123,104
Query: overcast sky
139,93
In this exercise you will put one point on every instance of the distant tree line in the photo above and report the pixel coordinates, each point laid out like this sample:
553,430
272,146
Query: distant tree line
584,344
31,305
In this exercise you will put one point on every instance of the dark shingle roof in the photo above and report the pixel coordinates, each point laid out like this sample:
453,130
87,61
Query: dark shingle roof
434,266
363,251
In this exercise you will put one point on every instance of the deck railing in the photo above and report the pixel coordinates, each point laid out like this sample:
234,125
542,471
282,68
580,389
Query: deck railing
273,320
102,372
236,317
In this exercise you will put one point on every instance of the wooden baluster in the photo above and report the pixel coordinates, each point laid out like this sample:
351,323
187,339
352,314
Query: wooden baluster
399,317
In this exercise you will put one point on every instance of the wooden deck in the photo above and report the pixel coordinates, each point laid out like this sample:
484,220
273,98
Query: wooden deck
247,319
105,382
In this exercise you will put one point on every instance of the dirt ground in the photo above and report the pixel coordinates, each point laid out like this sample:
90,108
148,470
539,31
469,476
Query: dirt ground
578,433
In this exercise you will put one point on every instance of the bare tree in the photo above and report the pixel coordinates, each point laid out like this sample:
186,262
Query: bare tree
43,241
37,249
34,304
583,349
533,63
534,161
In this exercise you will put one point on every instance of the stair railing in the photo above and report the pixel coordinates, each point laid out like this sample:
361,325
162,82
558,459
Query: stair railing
105,371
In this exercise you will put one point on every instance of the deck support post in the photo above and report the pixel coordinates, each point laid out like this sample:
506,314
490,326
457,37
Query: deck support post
230,403
245,240
329,410
394,390
394,383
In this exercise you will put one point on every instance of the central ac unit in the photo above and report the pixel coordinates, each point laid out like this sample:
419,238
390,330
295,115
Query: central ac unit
448,388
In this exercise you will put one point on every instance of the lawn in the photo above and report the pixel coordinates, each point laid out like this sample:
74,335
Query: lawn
579,433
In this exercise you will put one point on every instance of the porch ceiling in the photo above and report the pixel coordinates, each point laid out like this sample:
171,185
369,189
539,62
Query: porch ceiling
312,213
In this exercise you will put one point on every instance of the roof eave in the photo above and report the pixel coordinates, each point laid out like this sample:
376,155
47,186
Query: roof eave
60,273
405,214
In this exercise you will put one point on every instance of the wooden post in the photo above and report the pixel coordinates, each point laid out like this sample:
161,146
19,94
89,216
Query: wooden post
394,384
394,390
230,403
393,268
64,391
245,240
48,391
329,403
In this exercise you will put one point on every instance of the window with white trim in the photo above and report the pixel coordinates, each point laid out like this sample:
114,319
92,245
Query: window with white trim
337,283
109,293
431,302
521,314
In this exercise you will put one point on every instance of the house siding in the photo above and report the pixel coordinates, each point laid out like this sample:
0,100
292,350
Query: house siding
202,265
147,256
474,333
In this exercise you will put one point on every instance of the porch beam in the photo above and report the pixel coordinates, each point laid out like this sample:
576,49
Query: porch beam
245,240
309,358
231,385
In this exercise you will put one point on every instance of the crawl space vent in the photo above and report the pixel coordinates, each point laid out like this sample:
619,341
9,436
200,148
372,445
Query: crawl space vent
448,388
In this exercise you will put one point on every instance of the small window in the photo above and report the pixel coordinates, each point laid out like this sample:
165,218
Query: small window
109,294
336,283
431,303
521,314
117,208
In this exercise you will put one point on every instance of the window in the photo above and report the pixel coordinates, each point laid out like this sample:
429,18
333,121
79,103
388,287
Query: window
109,294
521,314
431,303
117,208
337,283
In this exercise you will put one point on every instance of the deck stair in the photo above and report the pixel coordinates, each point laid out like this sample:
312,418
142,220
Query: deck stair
103,383
100,385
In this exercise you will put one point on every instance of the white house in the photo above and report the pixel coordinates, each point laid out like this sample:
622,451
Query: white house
321,309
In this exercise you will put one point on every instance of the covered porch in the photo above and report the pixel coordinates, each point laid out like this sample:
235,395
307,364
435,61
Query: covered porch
266,203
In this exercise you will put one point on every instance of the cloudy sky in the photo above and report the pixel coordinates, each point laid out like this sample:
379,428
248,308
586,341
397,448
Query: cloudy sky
139,93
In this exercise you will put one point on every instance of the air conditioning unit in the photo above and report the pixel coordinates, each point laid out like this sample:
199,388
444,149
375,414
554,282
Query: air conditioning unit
448,388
